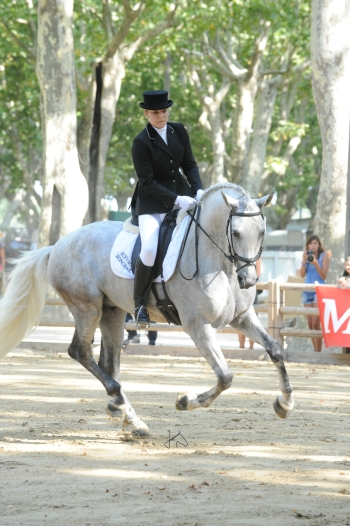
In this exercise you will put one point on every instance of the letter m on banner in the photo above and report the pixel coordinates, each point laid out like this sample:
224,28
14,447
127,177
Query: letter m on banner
334,307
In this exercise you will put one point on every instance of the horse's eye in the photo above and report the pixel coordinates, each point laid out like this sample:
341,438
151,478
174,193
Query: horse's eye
235,233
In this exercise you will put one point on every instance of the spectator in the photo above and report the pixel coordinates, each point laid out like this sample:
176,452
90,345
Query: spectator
344,281
133,336
2,264
314,268
241,337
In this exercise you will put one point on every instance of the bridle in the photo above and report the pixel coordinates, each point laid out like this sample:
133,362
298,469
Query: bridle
232,256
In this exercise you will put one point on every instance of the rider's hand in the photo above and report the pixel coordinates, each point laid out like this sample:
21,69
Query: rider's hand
184,202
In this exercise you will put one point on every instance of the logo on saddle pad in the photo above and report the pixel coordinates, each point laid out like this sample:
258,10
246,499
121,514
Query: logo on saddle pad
334,307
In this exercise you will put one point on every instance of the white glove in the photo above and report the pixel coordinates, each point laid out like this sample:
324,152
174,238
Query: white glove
184,202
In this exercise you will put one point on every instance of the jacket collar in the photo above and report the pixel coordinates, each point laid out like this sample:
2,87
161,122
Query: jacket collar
153,135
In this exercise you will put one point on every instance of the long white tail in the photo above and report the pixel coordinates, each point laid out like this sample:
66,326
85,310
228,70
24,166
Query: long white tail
24,299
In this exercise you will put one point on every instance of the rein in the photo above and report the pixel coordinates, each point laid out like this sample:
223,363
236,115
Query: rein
233,257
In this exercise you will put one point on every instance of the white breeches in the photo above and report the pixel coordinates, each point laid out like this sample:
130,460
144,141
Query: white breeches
149,231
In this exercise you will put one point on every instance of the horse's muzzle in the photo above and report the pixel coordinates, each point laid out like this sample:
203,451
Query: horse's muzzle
246,278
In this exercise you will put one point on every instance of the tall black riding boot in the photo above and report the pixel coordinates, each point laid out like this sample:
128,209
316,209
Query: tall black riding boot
142,287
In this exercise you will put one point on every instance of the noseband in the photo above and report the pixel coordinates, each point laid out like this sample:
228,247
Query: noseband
233,257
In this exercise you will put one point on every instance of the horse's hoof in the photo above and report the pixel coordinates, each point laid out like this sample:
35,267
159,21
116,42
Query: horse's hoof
182,402
282,413
117,412
140,433
186,402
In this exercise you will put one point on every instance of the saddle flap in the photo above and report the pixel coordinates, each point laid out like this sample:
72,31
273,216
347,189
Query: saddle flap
165,234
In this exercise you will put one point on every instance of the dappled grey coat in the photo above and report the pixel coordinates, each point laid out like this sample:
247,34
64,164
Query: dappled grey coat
157,166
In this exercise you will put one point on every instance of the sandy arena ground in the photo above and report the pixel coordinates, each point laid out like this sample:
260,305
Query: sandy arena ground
65,462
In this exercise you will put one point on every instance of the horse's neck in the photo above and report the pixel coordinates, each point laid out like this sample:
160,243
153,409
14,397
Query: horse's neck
211,250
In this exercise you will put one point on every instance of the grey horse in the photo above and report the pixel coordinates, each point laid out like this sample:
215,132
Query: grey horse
221,293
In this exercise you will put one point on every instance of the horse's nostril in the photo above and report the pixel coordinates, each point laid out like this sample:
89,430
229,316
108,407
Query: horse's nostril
242,282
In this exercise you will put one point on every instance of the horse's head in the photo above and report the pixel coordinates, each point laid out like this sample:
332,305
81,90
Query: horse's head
245,231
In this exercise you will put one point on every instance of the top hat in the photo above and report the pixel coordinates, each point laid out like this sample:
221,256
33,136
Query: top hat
155,100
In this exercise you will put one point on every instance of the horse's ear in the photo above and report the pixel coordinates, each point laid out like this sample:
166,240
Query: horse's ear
266,200
230,201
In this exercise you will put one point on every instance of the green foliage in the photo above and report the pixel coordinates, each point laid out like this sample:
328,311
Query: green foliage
19,90
241,19
286,130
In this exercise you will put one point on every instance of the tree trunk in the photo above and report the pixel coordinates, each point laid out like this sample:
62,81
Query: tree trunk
12,210
4,185
95,129
330,28
56,76
113,72
262,123
218,171
104,95
212,105
242,129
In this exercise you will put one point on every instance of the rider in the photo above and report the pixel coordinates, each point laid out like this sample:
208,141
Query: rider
159,152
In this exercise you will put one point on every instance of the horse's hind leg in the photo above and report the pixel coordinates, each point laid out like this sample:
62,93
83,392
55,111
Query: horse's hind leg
112,332
86,322
206,342
251,327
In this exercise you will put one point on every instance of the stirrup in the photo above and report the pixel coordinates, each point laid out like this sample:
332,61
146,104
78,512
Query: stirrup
142,317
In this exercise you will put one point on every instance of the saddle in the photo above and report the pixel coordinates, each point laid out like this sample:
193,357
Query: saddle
165,305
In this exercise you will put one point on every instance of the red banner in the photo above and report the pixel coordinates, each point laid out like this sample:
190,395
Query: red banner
334,306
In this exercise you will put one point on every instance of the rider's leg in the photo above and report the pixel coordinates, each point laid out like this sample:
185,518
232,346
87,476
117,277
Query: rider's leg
149,230
142,286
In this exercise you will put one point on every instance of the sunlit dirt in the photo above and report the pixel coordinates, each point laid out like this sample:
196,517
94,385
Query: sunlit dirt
64,461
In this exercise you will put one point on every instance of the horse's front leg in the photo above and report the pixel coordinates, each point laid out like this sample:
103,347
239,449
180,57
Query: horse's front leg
251,327
112,333
206,342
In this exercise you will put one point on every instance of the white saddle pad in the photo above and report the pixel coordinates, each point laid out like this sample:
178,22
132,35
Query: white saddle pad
124,245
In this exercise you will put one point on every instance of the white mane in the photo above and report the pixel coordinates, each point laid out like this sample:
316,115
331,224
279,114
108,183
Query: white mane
238,190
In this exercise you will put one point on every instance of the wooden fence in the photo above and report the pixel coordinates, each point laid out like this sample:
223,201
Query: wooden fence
275,307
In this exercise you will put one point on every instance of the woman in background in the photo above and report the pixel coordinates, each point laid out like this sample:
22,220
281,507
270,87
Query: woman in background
315,265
